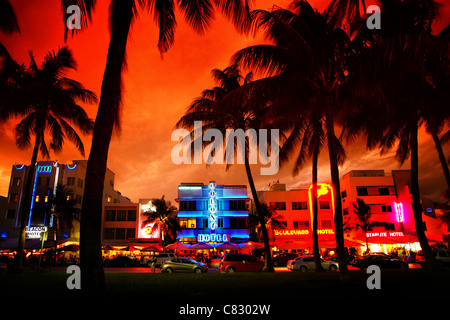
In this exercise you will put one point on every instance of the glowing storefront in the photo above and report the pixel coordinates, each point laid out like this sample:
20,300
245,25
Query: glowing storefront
212,213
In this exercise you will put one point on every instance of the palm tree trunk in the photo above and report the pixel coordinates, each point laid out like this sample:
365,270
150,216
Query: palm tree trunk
315,236
26,203
92,273
417,206
338,220
268,267
440,152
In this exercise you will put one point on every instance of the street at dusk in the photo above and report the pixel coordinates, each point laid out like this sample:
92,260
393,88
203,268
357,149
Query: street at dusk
225,158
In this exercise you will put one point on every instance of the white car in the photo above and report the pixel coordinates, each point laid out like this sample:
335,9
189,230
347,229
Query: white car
306,263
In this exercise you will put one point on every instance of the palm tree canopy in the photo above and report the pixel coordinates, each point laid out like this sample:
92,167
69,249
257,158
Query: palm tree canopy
46,100
8,19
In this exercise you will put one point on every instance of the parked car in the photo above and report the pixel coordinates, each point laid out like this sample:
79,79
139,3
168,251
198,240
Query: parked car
306,263
234,262
121,261
162,258
441,255
283,258
183,265
382,261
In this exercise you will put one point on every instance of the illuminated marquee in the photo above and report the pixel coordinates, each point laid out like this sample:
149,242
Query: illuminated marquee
213,237
34,232
384,234
212,207
295,232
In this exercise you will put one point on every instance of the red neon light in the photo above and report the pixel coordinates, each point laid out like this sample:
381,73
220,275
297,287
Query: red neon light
384,234
295,232
399,210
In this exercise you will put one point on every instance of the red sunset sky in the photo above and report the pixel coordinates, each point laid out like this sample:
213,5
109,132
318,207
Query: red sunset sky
156,94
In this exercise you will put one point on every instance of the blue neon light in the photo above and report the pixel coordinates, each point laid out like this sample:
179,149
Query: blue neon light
19,167
69,167
44,169
33,196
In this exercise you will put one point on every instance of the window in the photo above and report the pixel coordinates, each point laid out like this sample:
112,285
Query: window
389,227
120,233
238,223
109,199
344,194
387,208
384,191
110,215
121,215
301,224
361,191
220,223
131,215
299,205
279,205
192,223
78,198
36,199
204,223
237,205
131,233
46,199
324,204
188,205
326,224
14,197
38,181
16,181
80,183
70,181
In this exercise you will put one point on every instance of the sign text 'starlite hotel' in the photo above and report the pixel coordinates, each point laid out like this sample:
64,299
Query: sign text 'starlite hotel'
212,213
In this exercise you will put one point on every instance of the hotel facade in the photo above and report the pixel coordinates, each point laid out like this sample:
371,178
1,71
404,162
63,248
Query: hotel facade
390,201
212,213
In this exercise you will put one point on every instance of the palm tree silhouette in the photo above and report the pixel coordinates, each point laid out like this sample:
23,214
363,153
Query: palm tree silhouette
408,65
306,65
199,15
241,115
8,19
47,102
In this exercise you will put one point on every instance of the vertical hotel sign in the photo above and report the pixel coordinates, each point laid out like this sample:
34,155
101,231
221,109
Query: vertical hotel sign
212,207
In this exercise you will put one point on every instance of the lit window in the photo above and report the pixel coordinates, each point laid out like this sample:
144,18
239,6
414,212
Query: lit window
36,199
109,199
46,199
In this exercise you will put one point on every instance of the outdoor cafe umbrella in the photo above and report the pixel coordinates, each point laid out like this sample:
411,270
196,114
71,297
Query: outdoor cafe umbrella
130,248
178,245
227,245
151,248
251,245
202,246
70,247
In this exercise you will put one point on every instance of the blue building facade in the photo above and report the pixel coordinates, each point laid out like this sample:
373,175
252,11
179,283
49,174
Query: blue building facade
212,213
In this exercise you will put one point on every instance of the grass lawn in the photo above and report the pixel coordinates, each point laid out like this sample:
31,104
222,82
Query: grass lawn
283,287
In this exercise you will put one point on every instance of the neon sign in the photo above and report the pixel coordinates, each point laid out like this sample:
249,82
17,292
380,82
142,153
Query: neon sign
44,169
213,237
399,209
34,232
19,167
322,189
212,207
295,232
384,234
69,167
